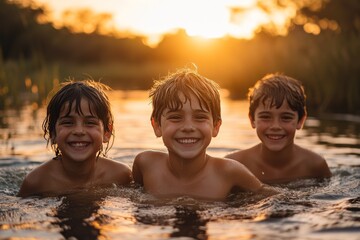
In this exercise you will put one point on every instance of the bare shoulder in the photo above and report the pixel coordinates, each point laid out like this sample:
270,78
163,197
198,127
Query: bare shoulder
115,165
145,161
237,173
115,171
235,154
245,155
314,161
150,157
34,182
231,167
42,171
309,156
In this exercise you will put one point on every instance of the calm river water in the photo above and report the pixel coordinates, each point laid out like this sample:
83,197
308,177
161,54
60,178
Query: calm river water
305,209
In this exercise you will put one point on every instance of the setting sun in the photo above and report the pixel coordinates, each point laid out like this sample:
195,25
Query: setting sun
201,18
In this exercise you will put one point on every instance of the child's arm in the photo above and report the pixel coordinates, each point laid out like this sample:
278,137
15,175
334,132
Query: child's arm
116,172
123,175
242,177
245,179
136,169
316,164
321,168
28,188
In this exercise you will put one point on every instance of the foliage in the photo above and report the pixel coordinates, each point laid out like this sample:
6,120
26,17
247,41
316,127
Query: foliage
326,63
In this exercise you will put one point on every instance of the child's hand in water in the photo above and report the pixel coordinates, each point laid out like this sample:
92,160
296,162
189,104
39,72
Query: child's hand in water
267,190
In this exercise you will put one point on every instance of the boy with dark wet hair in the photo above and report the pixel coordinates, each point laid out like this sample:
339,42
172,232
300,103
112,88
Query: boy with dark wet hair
78,123
277,109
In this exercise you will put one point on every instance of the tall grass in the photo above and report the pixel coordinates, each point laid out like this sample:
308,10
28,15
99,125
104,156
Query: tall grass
327,65
26,81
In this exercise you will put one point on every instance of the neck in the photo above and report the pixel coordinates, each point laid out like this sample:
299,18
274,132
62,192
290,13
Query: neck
79,171
187,168
278,158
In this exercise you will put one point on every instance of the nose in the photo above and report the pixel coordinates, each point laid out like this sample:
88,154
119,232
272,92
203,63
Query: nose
79,129
275,124
188,126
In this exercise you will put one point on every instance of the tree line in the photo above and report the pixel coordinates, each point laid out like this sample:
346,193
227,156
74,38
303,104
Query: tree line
36,55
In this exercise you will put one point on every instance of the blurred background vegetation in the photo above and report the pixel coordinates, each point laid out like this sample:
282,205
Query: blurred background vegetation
321,50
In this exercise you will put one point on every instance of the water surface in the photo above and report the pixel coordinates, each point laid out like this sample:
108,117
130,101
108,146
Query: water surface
304,209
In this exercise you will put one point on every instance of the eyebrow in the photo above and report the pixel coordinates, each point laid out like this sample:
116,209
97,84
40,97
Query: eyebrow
289,113
180,109
72,115
269,111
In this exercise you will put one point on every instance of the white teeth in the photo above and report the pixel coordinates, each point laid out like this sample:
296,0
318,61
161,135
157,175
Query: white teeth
275,137
187,140
78,144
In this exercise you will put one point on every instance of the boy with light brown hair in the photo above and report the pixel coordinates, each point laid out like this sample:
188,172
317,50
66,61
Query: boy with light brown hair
187,115
277,109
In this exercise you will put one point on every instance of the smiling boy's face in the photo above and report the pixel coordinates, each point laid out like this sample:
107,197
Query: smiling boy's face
186,132
276,127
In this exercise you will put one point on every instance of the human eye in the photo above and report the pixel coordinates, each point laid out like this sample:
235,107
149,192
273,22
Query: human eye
264,116
175,117
287,117
201,116
92,121
66,122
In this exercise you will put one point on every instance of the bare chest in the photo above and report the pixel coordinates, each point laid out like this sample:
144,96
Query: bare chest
203,186
279,174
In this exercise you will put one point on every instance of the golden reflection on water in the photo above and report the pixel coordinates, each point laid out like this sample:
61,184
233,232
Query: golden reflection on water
22,133
132,110
260,217
122,221
229,230
126,216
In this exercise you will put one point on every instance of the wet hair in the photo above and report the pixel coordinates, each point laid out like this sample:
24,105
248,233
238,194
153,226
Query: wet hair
278,87
71,93
166,92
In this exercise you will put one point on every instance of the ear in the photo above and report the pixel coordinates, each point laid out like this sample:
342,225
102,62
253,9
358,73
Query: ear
252,121
156,127
216,128
107,134
301,122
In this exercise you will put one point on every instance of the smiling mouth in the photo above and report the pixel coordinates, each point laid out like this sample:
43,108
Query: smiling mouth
79,144
187,140
275,137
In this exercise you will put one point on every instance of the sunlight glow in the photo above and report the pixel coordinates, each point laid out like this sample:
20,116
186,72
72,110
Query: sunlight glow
153,19
312,28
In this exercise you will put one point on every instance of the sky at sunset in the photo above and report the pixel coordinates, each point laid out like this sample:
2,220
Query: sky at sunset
203,18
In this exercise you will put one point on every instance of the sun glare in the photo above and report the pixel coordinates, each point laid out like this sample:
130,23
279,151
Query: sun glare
201,18
152,19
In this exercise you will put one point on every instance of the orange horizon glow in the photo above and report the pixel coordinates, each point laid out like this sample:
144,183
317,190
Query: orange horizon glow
153,19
